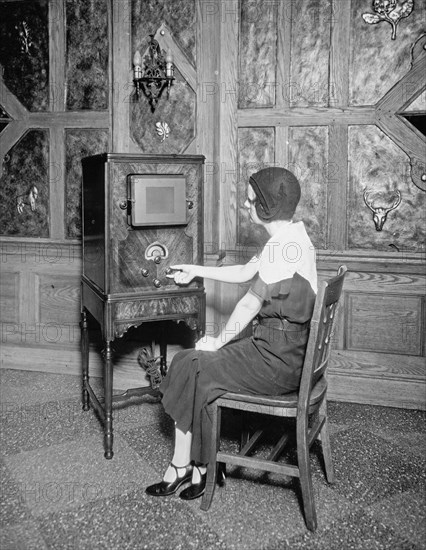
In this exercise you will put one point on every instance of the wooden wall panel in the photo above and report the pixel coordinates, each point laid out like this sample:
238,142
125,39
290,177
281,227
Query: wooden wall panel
59,299
308,159
372,52
378,165
24,52
310,52
255,151
26,165
87,55
257,54
9,291
384,323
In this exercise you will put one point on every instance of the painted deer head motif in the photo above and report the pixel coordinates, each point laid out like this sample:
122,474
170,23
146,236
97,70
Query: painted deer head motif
380,213
28,198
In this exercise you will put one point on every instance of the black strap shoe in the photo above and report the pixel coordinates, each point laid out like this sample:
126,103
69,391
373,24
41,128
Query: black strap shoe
166,488
195,490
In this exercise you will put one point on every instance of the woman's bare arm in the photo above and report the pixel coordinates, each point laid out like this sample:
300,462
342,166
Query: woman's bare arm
227,274
244,312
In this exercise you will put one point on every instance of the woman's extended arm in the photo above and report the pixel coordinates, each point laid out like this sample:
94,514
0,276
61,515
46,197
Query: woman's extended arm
244,312
227,274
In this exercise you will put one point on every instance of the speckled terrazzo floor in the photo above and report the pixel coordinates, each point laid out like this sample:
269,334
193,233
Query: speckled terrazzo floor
58,492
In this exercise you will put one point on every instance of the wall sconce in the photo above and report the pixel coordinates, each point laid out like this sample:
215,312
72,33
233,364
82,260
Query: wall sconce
155,76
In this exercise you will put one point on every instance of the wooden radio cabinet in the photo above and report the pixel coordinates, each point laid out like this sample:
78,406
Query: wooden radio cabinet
141,214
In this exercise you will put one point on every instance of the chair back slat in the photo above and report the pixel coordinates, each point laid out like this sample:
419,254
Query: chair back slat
321,335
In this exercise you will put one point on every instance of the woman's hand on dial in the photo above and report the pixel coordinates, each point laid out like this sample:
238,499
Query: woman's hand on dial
184,273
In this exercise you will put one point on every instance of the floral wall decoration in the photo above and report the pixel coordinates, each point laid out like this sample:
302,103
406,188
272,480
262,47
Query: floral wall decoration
391,11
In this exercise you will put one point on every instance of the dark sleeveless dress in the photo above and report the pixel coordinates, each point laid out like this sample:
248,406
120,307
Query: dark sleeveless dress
269,362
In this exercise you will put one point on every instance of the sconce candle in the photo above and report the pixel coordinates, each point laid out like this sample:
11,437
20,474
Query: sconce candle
137,64
169,64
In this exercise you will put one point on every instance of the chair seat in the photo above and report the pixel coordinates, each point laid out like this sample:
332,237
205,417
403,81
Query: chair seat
288,400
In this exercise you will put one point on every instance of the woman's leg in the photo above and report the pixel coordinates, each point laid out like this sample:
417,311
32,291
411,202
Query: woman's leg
179,470
181,454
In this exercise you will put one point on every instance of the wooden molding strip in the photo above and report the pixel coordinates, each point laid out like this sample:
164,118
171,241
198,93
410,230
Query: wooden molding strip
185,67
11,103
305,116
69,119
57,51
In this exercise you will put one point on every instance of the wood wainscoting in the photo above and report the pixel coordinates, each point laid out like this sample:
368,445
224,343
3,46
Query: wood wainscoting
379,347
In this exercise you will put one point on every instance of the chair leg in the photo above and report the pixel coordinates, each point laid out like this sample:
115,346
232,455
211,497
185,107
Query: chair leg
212,465
326,447
306,479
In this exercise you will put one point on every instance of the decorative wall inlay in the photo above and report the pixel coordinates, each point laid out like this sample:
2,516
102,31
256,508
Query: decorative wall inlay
27,199
79,143
372,53
86,72
25,37
26,168
391,11
380,213
24,52
374,161
163,130
257,56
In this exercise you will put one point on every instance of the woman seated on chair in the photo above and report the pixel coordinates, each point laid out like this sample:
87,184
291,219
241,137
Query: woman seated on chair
281,296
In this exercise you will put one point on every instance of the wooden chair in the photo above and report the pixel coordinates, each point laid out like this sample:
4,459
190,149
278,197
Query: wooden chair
308,406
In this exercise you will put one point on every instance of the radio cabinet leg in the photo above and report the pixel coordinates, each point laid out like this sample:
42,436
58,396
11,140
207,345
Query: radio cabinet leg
108,436
85,358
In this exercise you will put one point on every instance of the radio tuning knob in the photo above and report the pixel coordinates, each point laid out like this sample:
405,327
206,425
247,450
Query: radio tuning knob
157,283
157,259
168,270
145,272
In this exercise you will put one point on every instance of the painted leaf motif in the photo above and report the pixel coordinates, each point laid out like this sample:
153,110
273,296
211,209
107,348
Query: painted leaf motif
371,19
395,14
407,8
163,130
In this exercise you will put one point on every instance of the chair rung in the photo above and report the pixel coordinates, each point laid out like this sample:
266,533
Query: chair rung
315,430
278,449
251,442
257,463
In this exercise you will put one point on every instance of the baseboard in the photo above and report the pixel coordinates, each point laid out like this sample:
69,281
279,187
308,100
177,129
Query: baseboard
127,371
365,386
372,390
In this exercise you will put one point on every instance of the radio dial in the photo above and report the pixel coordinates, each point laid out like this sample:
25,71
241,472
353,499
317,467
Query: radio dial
168,270
145,272
157,283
